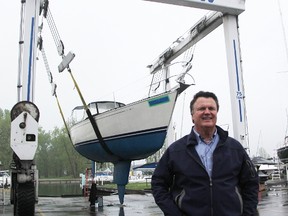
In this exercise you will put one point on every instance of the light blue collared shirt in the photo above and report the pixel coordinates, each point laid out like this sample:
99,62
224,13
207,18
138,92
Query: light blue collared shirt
205,151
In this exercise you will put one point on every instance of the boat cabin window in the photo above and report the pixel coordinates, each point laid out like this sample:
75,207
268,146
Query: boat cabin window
79,113
101,107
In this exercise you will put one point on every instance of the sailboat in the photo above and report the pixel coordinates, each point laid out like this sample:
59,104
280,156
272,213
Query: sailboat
111,131
119,133
130,132
282,152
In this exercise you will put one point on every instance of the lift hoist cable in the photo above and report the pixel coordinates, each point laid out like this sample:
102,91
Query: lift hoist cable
50,77
55,34
54,93
66,59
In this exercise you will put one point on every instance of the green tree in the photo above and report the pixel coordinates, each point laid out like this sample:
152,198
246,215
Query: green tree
42,155
66,160
5,150
62,152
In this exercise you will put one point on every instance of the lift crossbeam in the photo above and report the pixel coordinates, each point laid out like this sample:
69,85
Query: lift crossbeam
233,7
201,29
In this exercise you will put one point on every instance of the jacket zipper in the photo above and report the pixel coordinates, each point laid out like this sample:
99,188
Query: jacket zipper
211,197
211,193
210,183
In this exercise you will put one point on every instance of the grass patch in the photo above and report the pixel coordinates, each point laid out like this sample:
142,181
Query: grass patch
130,186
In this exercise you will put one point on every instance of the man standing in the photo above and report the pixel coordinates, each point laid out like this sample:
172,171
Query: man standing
206,173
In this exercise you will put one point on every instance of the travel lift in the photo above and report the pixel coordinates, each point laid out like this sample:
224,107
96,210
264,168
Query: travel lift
25,114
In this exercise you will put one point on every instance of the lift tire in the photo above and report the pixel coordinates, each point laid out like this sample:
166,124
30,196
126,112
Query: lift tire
24,205
12,189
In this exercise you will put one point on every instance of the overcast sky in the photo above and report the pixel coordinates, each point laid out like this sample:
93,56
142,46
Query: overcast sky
115,40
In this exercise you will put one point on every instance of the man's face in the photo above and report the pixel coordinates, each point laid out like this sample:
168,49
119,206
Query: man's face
204,113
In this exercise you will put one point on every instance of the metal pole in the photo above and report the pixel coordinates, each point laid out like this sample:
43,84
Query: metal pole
234,63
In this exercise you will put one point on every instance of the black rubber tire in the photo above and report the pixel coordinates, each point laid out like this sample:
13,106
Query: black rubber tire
12,189
24,204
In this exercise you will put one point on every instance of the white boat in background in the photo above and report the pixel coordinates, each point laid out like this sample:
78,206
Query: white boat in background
264,167
268,169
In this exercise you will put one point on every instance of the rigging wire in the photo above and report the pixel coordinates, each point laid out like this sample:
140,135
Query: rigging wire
286,130
128,85
186,67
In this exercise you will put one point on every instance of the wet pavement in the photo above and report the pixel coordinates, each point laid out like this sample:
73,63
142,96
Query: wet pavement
275,202
57,206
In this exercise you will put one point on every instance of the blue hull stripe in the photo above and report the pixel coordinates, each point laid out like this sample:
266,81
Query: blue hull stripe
158,101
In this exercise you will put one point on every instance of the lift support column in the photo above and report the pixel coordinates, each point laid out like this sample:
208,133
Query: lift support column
226,12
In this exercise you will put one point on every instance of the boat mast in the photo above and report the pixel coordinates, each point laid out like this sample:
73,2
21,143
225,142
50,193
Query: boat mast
283,30
286,131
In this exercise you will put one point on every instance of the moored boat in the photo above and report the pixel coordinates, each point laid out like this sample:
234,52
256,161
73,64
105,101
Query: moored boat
283,152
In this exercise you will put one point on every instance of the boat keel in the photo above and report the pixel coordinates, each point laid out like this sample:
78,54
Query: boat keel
120,177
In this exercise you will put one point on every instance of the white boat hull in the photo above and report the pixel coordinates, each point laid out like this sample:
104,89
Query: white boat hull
132,132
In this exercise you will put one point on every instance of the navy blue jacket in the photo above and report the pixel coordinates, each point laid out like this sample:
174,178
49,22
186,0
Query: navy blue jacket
182,186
